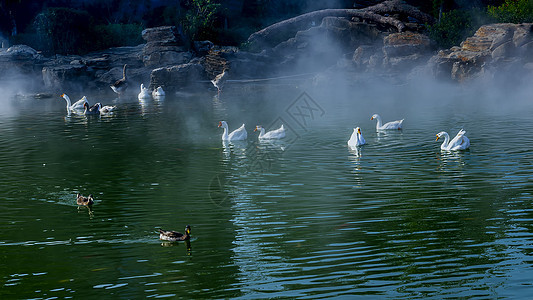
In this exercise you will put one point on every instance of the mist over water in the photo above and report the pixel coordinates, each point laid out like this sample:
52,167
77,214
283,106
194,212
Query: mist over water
304,217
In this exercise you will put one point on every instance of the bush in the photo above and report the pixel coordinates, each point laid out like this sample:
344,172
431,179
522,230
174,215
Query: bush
63,31
455,26
200,19
116,35
513,11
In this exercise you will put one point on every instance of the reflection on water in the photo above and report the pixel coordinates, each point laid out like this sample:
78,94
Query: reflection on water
301,217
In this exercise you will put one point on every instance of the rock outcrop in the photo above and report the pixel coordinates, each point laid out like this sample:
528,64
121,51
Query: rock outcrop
387,37
20,60
164,46
493,47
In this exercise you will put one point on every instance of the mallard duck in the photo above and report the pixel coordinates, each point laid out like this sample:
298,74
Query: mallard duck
85,201
105,109
91,110
158,93
357,138
145,93
273,134
459,142
219,80
390,125
122,84
173,236
238,134
77,106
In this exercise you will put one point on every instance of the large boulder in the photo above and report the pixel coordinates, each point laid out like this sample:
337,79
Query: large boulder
164,47
20,60
405,50
66,77
493,48
190,75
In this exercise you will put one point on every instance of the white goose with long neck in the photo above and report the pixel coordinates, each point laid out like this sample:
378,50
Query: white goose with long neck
271,135
357,138
77,106
238,134
390,125
459,142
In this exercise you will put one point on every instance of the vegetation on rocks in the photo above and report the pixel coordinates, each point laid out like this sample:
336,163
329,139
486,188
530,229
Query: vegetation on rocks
78,27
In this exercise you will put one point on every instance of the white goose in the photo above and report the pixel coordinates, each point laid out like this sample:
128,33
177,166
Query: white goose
158,93
274,134
145,93
459,142
238,134
105,109
390,125
77,106
357,138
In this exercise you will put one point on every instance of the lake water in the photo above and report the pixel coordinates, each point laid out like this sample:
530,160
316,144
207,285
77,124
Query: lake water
304,217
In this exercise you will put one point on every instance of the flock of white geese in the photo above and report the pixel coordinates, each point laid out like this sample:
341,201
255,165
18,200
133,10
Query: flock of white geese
459,142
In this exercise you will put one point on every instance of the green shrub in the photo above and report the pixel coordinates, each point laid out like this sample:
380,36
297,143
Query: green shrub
116,35
63,31
455,26
200,19
513,11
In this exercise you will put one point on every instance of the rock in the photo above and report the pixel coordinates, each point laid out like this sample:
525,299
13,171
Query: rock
164,47
169,34
20,59
202,47
66,77
522,34
405,50
191,75
362,56
493,47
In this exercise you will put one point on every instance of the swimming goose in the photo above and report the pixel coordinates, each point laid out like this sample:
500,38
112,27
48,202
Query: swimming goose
91,110
390,125
85,201
145,93
459,142
219,80
122,84
357,138
78,105
273,134
173,236
238,134
158,93
105,109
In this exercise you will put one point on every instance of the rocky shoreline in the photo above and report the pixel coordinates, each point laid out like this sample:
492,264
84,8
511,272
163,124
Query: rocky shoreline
387,40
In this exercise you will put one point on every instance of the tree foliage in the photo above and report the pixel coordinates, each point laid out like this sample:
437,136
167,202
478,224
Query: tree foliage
455,26
63,30
513,11
200,19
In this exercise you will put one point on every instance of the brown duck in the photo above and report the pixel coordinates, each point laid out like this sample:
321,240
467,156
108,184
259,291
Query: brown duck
85,201
173,236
